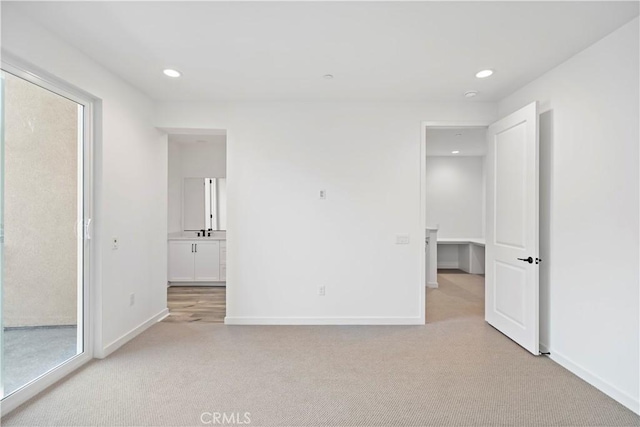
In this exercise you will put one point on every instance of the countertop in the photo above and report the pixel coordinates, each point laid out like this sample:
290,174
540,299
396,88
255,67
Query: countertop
457,241
192,235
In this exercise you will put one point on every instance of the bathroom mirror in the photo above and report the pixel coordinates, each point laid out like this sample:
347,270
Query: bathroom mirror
204,204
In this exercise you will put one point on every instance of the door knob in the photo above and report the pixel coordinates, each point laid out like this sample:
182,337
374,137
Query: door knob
529,260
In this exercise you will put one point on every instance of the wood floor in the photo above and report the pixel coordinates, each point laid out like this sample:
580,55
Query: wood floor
459,295
196,304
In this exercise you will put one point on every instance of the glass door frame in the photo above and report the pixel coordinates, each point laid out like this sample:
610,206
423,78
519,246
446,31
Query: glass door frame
86,125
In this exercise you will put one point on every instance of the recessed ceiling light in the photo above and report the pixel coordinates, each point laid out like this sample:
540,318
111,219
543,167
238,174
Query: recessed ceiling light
484,74
455,152
471,93
171,73
458,135
328,76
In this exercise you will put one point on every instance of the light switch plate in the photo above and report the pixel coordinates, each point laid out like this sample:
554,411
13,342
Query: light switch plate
402,239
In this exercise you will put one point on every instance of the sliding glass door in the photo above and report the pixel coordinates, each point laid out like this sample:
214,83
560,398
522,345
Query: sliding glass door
44,200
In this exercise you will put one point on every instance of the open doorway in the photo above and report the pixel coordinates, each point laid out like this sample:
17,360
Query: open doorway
455,198
197,226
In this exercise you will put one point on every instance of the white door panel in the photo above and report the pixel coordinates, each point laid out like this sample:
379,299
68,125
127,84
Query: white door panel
511,292
181,261
510,191
207,262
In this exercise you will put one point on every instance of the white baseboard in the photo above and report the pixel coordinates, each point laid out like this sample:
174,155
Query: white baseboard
448,265
323,320
602,385
221,284
432,284
132,334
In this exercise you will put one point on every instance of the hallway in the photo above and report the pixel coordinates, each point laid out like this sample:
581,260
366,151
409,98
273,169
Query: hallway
459,295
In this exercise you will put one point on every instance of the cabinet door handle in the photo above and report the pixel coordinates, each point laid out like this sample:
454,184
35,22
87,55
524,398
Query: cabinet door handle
192,247
196,245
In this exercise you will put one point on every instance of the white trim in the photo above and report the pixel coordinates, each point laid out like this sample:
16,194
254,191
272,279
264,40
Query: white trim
41,383
192,131
221,284
422,238
593,379
132,334
42,78
449,265
89,123
544,348
364,321
435,124
445,124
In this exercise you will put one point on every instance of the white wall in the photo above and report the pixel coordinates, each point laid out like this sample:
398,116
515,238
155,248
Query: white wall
174,195
283,242
205,160
131,176
594,209
194,160
448,256
455,195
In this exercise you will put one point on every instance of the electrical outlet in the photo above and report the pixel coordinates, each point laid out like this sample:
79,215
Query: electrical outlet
323,194
402,239
321,291
132,299
114,243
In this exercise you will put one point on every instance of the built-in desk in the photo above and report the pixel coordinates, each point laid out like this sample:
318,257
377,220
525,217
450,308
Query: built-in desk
470,254
466,254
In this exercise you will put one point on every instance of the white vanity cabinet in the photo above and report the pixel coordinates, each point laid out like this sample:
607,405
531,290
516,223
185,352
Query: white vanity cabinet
223,260
181,261
195,261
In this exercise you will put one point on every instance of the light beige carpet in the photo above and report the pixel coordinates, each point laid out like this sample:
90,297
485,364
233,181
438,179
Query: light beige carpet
456,371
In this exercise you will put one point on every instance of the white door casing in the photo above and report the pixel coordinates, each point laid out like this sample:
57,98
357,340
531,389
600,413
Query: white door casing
511,284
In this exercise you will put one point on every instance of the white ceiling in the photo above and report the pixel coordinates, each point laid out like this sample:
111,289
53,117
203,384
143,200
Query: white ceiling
375,50
469,141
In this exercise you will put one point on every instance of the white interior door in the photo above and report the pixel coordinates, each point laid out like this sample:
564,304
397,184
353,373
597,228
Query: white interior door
511,281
